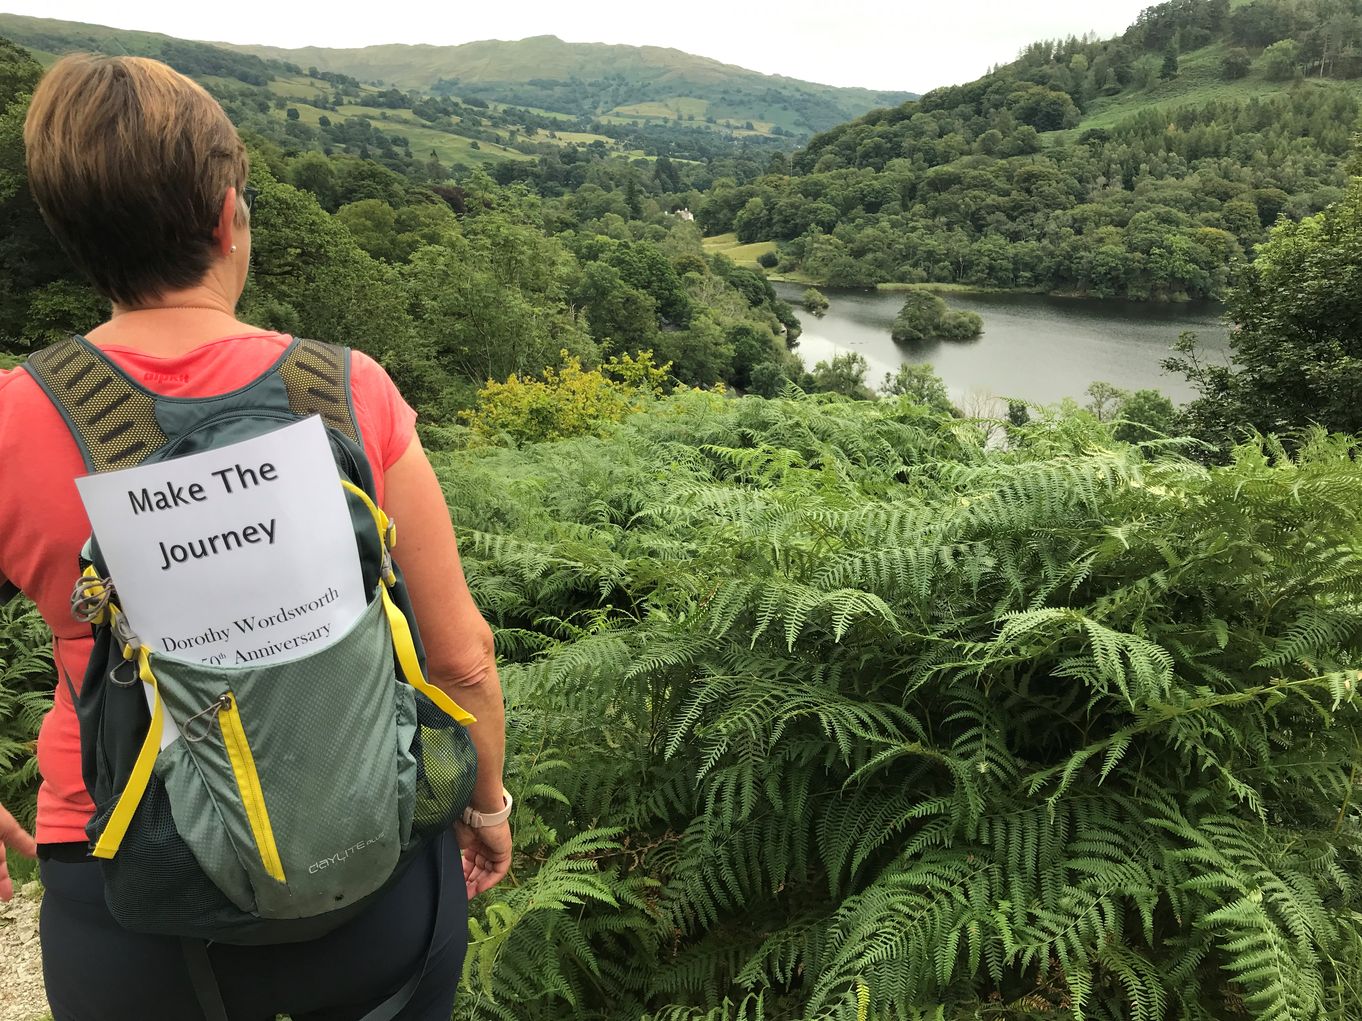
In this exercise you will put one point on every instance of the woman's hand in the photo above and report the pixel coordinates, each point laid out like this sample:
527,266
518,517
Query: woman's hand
15,836
486,855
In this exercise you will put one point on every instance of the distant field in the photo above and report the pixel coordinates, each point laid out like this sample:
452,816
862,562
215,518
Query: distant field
301,87
450,148
666,109
743,255
557,115
581,137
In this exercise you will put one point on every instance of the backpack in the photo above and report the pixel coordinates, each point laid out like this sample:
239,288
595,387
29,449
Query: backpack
280,808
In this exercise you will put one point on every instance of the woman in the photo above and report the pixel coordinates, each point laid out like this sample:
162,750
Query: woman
141,177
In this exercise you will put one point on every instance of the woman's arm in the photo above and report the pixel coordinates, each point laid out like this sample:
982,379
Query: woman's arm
15,836
459,652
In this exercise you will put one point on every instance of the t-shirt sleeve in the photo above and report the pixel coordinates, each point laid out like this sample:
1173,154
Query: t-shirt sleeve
386,421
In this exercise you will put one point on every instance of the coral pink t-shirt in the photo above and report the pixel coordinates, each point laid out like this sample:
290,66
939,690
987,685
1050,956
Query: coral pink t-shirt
43,524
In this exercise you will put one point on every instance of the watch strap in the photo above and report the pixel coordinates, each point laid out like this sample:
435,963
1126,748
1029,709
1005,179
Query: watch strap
475,819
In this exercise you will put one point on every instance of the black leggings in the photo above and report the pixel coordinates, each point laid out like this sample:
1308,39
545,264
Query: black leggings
96,970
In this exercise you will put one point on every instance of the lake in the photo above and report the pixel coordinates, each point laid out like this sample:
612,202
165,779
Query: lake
1034,348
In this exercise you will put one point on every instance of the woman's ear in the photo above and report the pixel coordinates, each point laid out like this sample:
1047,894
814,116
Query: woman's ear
224,234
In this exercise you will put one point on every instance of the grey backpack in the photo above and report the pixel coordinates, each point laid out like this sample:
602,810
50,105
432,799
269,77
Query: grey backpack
295,790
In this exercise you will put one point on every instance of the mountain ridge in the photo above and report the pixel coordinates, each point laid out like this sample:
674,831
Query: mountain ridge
538,72
691,60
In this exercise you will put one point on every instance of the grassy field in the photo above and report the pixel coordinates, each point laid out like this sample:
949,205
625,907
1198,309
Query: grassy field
582,137
666,109
424,140
743,255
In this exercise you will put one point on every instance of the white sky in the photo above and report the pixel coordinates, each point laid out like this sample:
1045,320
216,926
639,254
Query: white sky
912,45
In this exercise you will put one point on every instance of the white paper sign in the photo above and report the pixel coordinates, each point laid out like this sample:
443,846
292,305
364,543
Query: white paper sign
236,556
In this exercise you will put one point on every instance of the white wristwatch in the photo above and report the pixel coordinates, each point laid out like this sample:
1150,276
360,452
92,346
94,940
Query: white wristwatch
472,817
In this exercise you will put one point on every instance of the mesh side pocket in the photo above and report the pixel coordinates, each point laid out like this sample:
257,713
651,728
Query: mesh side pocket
446,768
155,884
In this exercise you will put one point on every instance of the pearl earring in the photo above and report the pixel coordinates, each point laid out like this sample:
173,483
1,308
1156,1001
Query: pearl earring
233,248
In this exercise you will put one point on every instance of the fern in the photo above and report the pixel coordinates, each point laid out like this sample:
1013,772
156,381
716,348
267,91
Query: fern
893,725
27,681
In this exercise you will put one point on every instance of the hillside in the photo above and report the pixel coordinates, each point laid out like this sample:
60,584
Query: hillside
588,85
599,80
1147,166
325,109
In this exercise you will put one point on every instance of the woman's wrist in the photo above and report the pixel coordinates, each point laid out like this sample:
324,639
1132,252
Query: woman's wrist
479,815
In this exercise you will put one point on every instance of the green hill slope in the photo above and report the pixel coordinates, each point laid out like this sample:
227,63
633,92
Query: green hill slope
328,107
1147,166
631,86
596,78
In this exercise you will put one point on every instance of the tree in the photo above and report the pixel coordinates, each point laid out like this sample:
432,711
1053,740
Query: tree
292,113
1297,343
919,318
769,379
41,295
1145,415
960,324
1235,65
644,265
371,222
1044,109
621,317
844,374
752,346
921,384
814,301
924,316
1169,69
1104,399
1281,61
309,277
750,223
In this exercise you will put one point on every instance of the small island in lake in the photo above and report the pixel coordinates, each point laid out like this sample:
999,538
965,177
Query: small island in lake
924,316
815,302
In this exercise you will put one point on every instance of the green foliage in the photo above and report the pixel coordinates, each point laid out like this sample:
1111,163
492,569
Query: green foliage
27,680
1169,68
814,301
1098,167
1236,65
827,709
567,402
1145,415
1281,61
843,374
1297,342
38,291
921,384
924,316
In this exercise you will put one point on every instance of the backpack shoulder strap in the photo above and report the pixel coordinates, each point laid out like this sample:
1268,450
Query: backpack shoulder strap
113,421
317,377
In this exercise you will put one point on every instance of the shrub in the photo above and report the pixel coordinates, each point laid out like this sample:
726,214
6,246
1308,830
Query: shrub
814,301
567,402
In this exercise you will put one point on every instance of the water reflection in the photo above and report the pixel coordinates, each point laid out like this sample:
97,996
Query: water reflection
1034,348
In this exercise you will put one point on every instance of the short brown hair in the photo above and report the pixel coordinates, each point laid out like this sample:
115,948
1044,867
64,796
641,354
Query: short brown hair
129,161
